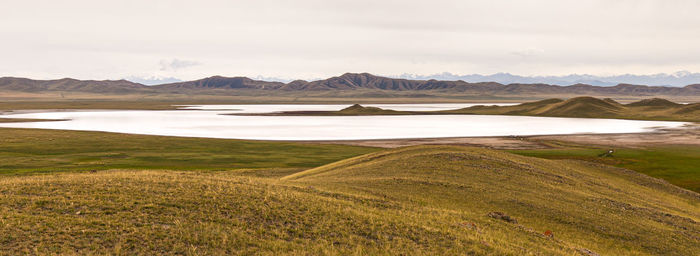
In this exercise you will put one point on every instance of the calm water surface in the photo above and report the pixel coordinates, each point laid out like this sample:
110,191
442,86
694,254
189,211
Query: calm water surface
207,121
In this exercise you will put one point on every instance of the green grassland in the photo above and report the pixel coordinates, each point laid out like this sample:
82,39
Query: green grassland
677,164
36,150
425,200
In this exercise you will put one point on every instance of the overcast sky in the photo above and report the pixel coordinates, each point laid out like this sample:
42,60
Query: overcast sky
307,39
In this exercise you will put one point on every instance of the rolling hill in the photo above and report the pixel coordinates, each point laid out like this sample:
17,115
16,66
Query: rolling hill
425,200
581,107
647,109
588,206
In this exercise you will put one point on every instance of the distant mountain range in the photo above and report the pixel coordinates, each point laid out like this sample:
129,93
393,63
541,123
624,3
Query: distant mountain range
345,82
681,78
69,85
152,80
677,79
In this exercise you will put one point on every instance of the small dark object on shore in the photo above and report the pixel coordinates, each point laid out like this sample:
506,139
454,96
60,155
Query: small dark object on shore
608,153
502,216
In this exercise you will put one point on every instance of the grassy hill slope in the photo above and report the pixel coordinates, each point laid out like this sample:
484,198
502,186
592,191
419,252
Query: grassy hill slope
424,200
677,164
648,109
603,209
580,107
584,107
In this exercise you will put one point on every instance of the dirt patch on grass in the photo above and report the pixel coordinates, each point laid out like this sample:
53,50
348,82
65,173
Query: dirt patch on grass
689,135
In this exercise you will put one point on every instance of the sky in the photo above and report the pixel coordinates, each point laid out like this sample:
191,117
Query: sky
309,39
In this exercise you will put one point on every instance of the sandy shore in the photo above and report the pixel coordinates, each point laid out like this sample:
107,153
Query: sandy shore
689,135
34,111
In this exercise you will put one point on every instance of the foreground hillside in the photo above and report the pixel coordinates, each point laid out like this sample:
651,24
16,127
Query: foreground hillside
417,200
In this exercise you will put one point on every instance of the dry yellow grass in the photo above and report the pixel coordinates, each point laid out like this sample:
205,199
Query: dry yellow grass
608,210
426,200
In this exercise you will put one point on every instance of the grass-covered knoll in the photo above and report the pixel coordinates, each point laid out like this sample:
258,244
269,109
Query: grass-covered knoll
354,110
648,109
427,200
357,109
584,107
677,164
576,107
36,150
604,209
654,102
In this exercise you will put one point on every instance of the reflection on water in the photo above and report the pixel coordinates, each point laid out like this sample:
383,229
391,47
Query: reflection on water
209,123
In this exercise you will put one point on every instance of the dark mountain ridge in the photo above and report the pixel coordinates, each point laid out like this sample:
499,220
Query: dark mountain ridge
220,82
347,81
69,84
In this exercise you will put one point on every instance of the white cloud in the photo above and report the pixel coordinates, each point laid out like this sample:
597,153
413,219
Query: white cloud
175,64
152,80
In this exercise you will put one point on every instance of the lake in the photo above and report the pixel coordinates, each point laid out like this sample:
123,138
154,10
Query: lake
208,121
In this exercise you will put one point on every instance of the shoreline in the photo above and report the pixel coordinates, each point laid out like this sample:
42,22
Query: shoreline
687,135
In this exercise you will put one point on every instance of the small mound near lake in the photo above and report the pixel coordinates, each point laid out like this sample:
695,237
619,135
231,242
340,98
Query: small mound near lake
584,107
653,102
357,108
